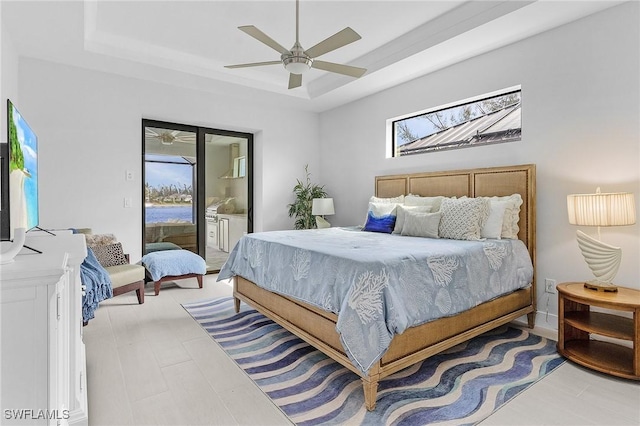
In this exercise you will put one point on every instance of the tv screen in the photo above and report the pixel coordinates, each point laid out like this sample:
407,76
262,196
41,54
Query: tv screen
22,147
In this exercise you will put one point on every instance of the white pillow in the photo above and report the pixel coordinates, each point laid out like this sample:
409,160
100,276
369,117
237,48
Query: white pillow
511,215
463,218
398,200
418,224
493,226
402,210
416,200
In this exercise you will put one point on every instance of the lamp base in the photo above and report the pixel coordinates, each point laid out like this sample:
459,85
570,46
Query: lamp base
601,286
322,223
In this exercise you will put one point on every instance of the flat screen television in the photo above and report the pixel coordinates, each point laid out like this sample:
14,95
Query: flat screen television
19,203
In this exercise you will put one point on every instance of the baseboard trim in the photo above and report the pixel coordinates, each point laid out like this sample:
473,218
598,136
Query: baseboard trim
546,325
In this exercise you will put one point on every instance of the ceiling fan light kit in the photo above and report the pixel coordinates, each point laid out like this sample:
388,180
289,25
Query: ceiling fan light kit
297,60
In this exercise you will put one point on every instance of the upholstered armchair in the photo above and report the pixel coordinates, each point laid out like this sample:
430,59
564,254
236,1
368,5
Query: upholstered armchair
106,272
125,277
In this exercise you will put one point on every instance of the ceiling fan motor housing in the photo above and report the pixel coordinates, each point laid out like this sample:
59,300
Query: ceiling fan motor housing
296,61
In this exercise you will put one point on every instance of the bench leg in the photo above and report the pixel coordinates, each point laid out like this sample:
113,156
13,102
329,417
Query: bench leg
156,287
199,278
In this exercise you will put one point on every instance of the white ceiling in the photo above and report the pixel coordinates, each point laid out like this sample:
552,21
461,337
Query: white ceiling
187,43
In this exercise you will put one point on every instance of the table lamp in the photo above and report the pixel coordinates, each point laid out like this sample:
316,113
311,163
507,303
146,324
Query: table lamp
320,208
601,209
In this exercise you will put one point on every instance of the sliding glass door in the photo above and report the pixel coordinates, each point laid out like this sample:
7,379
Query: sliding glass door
197,189
227,193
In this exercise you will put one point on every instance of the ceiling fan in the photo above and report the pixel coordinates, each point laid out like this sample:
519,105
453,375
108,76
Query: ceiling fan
168,137
298,60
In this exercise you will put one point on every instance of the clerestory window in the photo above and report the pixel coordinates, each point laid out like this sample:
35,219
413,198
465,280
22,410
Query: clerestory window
485,119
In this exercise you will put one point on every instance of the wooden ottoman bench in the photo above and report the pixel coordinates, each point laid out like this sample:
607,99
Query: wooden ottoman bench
171,265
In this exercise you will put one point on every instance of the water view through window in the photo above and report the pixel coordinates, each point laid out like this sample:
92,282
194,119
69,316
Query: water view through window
168,192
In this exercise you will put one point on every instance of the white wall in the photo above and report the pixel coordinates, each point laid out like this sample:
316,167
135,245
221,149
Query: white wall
580,126
89,132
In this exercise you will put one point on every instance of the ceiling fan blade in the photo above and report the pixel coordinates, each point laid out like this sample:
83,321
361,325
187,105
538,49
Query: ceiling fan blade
339,39
262,37
339,68
295,80
254,64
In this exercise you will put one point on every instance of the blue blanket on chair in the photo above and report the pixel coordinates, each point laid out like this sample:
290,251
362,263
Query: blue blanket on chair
97,282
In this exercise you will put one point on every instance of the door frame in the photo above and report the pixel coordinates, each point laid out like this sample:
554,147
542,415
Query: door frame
200,190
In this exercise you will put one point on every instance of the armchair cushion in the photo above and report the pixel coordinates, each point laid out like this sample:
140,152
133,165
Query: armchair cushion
125,274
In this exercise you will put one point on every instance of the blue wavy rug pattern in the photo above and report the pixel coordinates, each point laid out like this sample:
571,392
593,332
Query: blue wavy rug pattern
462,385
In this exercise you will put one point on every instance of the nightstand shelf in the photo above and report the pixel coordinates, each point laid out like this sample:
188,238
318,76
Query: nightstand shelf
576,324
600,323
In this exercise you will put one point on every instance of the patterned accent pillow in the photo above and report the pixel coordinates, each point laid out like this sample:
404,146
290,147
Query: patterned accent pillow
110,255
463,218
418,224
401,213
381,217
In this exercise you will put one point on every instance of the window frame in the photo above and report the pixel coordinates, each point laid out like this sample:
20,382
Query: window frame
392,145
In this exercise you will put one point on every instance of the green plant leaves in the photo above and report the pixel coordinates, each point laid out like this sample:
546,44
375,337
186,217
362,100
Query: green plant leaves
301,208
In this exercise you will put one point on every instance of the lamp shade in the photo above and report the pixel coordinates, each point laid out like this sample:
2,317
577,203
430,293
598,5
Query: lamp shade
322,206
601,209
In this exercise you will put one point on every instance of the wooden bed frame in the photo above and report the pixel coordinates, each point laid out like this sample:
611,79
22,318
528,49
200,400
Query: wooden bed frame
318,327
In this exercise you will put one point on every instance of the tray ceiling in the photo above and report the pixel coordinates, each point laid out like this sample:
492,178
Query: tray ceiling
187,43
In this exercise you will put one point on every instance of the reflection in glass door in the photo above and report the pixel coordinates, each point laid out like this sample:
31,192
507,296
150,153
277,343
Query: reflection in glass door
227,184
170,174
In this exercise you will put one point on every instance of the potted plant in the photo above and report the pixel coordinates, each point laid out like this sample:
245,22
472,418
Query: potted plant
301,207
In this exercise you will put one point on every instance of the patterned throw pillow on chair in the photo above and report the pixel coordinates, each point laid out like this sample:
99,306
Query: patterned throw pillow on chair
110,254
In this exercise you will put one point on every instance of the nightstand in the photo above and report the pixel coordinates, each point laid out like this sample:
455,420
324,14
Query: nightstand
576,322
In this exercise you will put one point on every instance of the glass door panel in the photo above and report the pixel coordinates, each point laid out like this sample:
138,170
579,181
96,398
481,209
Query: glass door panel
170,173
198,190
227,192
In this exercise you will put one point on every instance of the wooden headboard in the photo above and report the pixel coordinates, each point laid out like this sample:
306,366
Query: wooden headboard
485,182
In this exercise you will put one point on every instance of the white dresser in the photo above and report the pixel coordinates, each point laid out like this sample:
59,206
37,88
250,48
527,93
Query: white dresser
42,355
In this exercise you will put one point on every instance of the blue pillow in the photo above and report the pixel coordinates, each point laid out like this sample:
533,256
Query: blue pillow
381,218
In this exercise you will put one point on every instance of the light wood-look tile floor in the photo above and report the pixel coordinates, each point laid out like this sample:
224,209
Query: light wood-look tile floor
153,364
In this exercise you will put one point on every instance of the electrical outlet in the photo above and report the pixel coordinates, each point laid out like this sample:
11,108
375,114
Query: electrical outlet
549,286
128,175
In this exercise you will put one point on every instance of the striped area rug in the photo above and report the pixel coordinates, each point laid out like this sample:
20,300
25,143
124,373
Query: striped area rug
462,385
